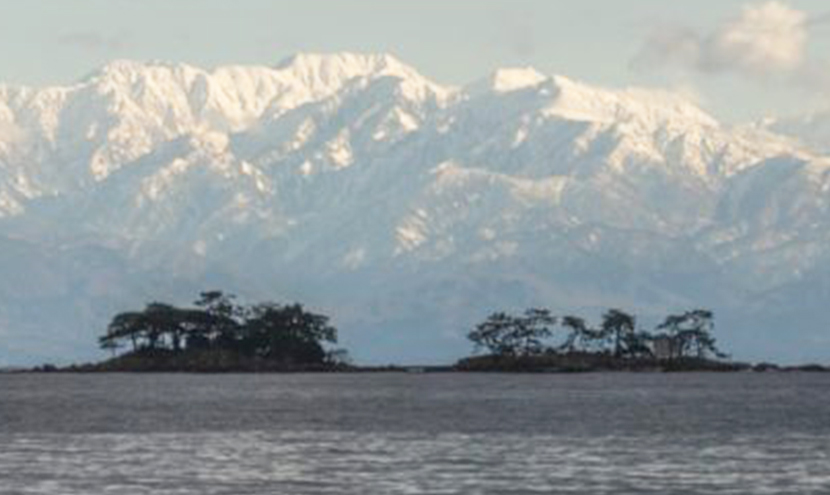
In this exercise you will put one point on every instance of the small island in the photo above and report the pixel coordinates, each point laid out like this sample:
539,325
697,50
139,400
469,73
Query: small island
219,335
536,340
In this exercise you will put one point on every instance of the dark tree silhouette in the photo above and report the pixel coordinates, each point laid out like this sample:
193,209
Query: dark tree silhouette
530,334
124,326
578,335
507,335
494,334
221,318
531,330
691,332
285,334
620,325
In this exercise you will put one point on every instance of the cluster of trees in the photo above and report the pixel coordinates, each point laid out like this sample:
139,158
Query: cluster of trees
538,331
287,334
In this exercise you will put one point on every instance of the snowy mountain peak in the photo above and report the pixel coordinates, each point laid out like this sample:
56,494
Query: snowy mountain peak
317,69
565,98
580,101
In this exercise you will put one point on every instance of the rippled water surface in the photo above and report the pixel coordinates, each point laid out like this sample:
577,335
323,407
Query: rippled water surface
415,433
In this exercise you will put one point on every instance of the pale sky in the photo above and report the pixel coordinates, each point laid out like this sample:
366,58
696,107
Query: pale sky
739,59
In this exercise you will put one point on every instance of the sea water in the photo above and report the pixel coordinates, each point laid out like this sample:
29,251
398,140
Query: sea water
367,433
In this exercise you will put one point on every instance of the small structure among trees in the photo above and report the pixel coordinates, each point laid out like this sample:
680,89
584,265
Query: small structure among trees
217,334
538,339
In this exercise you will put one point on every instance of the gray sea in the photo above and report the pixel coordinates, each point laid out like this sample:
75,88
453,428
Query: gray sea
599,433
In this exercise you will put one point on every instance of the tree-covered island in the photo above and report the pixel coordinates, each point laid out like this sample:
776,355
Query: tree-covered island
217,334
536,340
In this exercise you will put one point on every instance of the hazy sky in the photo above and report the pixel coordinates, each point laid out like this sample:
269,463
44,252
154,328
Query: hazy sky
740,59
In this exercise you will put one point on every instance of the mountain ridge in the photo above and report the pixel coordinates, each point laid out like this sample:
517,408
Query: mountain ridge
354,182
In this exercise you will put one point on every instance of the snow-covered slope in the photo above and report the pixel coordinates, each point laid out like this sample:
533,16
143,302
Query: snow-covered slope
405,208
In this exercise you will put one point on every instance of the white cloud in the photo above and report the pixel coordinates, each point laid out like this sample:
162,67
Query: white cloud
766,39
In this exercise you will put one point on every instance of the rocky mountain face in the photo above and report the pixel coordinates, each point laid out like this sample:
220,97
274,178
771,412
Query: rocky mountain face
404,208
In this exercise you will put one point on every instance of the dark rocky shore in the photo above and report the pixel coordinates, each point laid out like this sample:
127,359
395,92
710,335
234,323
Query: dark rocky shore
576,362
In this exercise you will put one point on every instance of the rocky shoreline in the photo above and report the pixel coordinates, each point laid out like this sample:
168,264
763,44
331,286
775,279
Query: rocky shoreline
562,363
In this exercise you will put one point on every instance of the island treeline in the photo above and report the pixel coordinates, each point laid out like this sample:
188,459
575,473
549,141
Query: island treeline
218,334
537,339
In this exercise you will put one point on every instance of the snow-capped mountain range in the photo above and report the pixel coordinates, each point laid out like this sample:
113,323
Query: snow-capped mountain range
404,208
